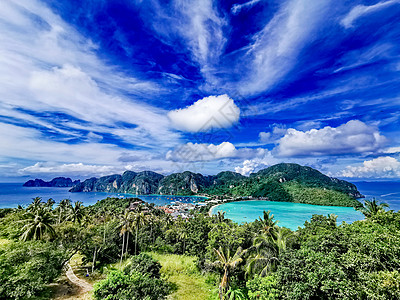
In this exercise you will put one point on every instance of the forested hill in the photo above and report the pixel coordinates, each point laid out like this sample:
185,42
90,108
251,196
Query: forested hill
281,182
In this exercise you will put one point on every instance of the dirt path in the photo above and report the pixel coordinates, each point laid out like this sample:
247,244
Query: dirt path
82,284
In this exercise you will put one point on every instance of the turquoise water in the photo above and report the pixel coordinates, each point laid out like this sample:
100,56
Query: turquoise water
14,194
290,215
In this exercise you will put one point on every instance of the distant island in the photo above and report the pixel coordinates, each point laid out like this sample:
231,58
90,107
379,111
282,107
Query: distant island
56,182
282,182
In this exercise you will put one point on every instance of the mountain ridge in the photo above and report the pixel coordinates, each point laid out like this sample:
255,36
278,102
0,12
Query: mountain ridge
281,182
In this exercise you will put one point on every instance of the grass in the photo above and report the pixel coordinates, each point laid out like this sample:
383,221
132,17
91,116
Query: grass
182,271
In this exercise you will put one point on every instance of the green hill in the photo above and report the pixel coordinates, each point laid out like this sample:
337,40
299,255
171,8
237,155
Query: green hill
281,182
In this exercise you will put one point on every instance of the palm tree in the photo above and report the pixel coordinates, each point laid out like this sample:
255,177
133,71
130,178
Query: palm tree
372,207
151,220
76,212
268,248
220,216
125,225
182,235
228,263
35,205
49,204
63,207
139,220
268,225
38,223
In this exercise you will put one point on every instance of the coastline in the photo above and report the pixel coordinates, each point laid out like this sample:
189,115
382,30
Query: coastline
211,208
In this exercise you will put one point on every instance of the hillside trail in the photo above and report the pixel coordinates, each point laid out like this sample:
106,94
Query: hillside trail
82,284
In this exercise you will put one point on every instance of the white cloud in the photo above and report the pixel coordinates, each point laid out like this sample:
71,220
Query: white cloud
205,114
78,169
277,46
351,137
248,167
362,10
201,152
392,150
381,167
199,25
46,66
202,27
307,125
191,152
278,131
29,143
236,8
264,137
256,163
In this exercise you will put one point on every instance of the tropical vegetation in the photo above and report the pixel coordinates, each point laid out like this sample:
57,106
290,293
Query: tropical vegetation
133,250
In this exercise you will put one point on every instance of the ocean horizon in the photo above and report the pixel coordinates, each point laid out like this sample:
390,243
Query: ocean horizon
14,194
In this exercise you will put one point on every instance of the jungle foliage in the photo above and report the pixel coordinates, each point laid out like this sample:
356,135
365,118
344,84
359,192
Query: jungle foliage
257,260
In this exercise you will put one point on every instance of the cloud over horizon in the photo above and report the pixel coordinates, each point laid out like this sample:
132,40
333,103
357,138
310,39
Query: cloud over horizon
352,137
380,167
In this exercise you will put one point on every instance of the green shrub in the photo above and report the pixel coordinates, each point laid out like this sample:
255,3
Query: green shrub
26,268
121,286
263,288
145,264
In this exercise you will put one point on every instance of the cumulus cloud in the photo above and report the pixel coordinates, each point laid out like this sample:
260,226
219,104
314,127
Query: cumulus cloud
254,164
277,131
362,10
264,137
351,137
191,152
205,114
201,152
248,167
381,167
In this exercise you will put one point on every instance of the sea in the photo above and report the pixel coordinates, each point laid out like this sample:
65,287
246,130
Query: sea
290,215
14,194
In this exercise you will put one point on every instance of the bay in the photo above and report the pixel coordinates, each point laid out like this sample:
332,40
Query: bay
290,215
293,215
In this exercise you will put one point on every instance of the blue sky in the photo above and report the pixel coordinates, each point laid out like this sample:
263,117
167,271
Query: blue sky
90,88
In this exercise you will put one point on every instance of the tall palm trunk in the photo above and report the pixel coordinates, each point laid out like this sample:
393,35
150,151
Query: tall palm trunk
223,285
94,258
104,234
59,216
151,232
127,243
136,230
123,246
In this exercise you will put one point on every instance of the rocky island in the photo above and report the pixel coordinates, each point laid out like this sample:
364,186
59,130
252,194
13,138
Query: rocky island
281,182
55,182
